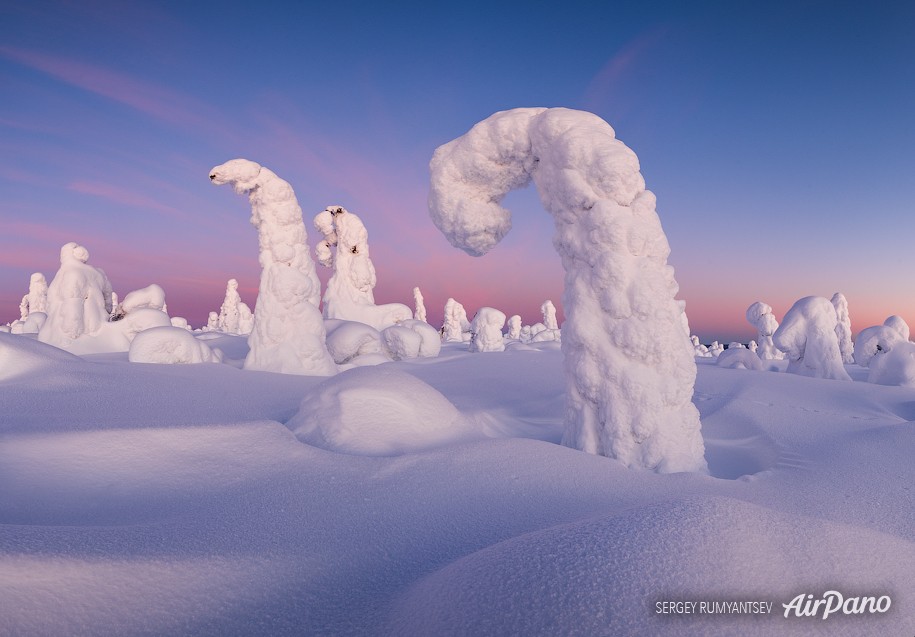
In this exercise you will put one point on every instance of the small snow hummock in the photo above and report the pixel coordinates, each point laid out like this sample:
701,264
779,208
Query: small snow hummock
378,412
456,327
486,328
349,293
420,313
739,358
630,368
715,349
808,336
760,316
895,367
79,299
170,346
288,334
843,327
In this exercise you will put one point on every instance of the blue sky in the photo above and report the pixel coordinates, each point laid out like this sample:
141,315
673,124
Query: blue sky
778,139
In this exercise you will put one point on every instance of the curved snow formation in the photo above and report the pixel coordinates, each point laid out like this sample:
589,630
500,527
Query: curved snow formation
349,293
629,367
79,299
808,336
420,313
898,323
288,334
739,358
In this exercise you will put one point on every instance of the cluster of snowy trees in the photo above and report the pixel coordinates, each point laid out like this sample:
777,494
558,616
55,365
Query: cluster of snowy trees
630,363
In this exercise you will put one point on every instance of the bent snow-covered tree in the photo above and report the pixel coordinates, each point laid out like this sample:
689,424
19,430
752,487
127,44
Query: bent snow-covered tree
288,334
630,368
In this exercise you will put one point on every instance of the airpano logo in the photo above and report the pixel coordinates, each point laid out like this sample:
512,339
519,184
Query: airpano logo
833,602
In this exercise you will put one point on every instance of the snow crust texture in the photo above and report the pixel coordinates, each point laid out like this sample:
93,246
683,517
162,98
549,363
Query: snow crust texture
630,368
808,336
288,333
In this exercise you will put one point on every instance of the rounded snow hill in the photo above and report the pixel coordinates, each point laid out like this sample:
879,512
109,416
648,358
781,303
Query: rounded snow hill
378,411
20,355
170,346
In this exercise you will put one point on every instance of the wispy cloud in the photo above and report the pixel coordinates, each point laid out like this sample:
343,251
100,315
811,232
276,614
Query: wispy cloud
123,197
155,101
605,87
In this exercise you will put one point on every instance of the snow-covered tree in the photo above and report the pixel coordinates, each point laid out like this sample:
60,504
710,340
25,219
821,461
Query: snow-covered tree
79,299
760,316
514,328
486,328
420,313
288,334
235,316
349,293
151,297
875,341
843,327
808,336
630,368
456,327
37,298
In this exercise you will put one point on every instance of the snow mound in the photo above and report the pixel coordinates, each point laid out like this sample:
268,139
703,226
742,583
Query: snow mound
378,411
170,345
348,339
151,297
843,327
603,575
739,358
23,355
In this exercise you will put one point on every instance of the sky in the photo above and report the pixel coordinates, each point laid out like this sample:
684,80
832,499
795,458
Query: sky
778,138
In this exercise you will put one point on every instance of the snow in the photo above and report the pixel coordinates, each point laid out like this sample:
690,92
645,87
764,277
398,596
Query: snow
894,367
170,346
349,293
898,323
874,341
486,328
739,358
379,412
760,316
347,340
456,327
36,300
514,328
808,336
288,331
152,297
79,300
235,316
420,313
142,499
843,327
630,368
